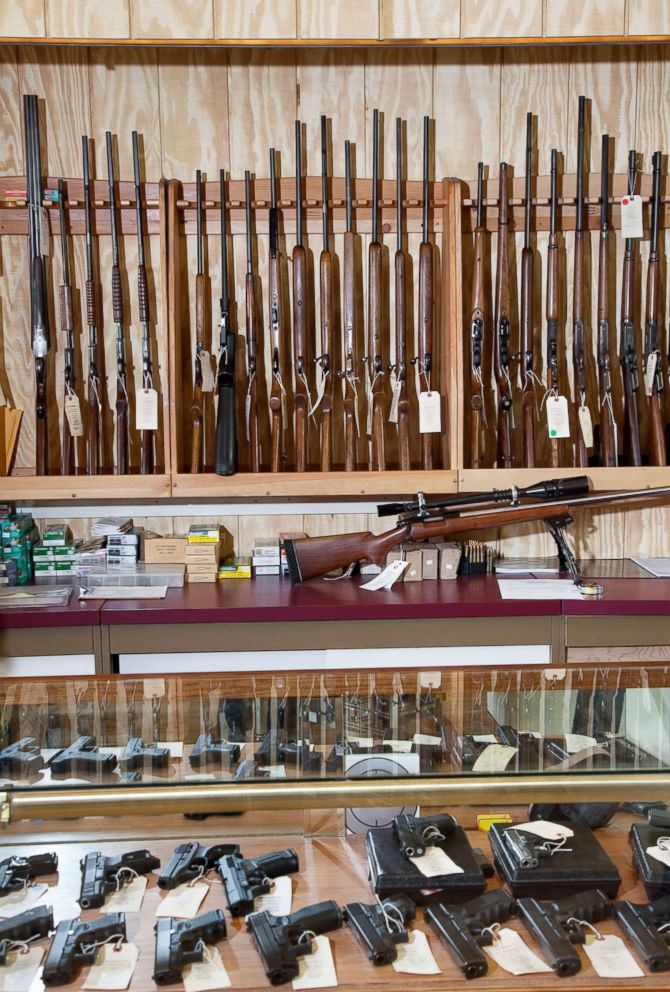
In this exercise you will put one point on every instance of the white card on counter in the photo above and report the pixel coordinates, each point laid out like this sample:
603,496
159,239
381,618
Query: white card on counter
20,970
184,901
21,901
128,899
610,957
538,589
577,742
207,975
113,968
546,829
278,900
511,952
661,854
558,418
317,970
146,410
415,957
176,748
494,758
273,771
631,217
360,741
430,413
435,862
387,576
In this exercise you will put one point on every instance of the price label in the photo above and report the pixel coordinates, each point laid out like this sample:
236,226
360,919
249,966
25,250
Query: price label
184,901
73,415
146,410
435,862
610,957
510,951
396,388
386,578
631,217
430,413
558,419
208,974
113,968
317,970
586,425
45,243
415,957
650,372
207,372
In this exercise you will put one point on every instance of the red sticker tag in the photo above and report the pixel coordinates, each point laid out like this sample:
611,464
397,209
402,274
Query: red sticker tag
625,201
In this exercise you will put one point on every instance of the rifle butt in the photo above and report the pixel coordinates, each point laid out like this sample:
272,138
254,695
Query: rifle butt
403,435
93,446
656,443
581,455
554,453
196,433
427,452
121,433
146,452
225,461
312,557
67,451
326,439
378,448
350,461
607,430
528,423
631,439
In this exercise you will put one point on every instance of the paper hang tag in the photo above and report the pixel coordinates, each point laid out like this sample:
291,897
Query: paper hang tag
387,577
317,970
660,854
511,952
577,742
146,410
435,862
368,421
20,970
128,899
494,758
45,241
153,687
631,217
247,414
273,771
184,901
546,829
558,418
430,413
37,985
278,900
21,901
649,373
610,957
73,414
207,975
207,372
415,957
586,425
396,389
113,968
320,390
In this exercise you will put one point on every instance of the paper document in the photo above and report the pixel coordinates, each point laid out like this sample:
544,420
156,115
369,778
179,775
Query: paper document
538,589
123,592
659,567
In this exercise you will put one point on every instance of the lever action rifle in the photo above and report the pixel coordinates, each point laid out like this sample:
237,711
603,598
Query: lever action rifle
93,395
196,405
67,326
225,459
252,339
528,404
400,367
627,351
478,328
277,455
652,353
40,339
122,421
349,328
552,303
578,350
608,429
327,313
502,329
147,434
425,359
552,502
300,317
374,358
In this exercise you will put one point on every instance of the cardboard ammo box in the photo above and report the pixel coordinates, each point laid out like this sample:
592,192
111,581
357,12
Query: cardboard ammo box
165,550
430,561
449,558
414,555
199,553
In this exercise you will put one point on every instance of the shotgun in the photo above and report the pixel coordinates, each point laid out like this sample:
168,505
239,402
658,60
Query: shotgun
478,336
252,340
528,403
653,378
608,428
374,357
200,304
627,350
300,317
553,257
502,330
93,395
426,300
68,451
225,457
349,327
150,421
327,313
122,420
401,412
584,427
277,391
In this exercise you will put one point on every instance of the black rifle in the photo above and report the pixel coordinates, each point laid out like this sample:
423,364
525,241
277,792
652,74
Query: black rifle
138,755
378,928
252,339
82,758
22,758
207,751
93,381
465,929
608,429
76,943
627,350
225,462
122,405
656,447
68,450
552,301
246,878
100,875
192,860
147,439
24,929
280,940
557,925
15,871
275,749
648,927
578,332
502,320
416,833
180,942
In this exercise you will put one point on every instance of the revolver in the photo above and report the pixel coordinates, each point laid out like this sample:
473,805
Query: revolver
378,928
180,942
416,833
191,860
32,925
275,749
76,943
648,926
245,878
556,926
82,758
281,940
465,929
207,751
21,759
15,871
100,875
139,755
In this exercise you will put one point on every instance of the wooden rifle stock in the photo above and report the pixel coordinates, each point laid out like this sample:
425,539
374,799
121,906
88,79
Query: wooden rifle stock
502,329
375,368
122,412
252,338
349,319
401,359
656,444
327,326
196,405
426,337
300,350
67,326
628,359
146,436
276,402
93,447
528,390
608,446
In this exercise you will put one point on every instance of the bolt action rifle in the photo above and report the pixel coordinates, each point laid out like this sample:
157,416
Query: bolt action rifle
122,407
501,353
578,333
528,400
93,395
400,367
608,428
553,380
478,335
374,357
300,317
327,314
627,350
349,327
652,354
200,304
426,300
225,460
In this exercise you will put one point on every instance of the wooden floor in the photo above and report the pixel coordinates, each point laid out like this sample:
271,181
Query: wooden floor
331,867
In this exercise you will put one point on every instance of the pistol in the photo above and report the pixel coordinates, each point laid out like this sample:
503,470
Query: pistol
180,942
556,926
245,878
15,871
648,927
100,875
76,943
21,759
416,833
378,928
276,750
82,758
138,756
523,852
207,751
281,940
465,929
26,927
191,860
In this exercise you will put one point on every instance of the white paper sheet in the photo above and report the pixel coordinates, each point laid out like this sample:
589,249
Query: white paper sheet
659,567
538,589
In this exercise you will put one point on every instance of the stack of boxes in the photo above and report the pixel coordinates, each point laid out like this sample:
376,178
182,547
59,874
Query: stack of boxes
55,555
19,536
427,561
89,556
123,551
203,551
266,559
235,568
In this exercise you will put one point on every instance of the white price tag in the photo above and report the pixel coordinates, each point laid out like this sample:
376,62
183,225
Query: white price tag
430,413
21,901
430,680
577,742
396,388
45,242
207,975
586,425
610,957
184,901
73,414
369,395
153,687
128,899
558,419
435,862
510,951
207,372
273,771
547,830
20,970
415,957
631,217
661,854
278,900
649,373
494,758
113,968
176,748
317,970
387,577
146,410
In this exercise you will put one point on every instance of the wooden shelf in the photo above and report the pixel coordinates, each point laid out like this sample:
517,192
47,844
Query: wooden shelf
49,488
504,42
283,485
601,479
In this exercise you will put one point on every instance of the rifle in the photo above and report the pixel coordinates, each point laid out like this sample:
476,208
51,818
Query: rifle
40,338
67,326
527,301
93,396
556,500
552,302
277,390
502,330
147,433
252,341
122,422
300,317
349,327
400,368
608,429
225,462
200,304
327,312
375,368
627,352
426,303
652,356
578,353
477,328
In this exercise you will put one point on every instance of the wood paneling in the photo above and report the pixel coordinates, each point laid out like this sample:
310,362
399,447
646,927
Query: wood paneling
11,134
344,19
22,19
420,19
332,82
501,19
265,123
172,19
88,18
533,80
400,84
648,17
255,19
467,81
567,18
607,76
653,80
